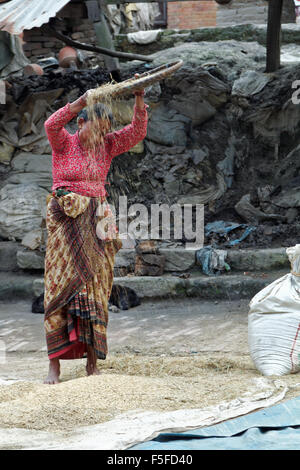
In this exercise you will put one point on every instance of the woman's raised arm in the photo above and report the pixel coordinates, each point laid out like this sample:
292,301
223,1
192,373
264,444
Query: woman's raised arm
123,140
54,125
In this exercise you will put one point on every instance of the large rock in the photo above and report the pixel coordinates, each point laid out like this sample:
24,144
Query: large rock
22,209
229,57
288,169
25,162
195,108
35,239
38,286
197,94
148,264
6,152
125,258
178,259
17,285
28,168
167,126
269,122
288,198
8,256
264,260
30,259
23,126
250,82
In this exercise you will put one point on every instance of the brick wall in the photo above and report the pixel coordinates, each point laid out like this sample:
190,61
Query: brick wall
38,46
191,15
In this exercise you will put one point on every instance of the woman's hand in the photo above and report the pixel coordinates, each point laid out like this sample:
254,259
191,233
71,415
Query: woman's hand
84,97
139,95
81,103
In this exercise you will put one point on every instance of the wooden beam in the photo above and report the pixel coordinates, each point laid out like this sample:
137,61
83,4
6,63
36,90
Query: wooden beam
274,35
87,47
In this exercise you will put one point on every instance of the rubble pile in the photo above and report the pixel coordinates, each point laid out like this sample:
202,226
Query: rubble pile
221,133
68,80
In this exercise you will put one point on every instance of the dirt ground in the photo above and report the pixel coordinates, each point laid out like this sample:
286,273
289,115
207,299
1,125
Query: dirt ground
164,355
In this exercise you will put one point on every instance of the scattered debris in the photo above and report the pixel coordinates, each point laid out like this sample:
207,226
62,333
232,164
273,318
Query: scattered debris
121,297
57,78
148,261
182,275
212,261
33,69
113,308
253,215
222,229
124,297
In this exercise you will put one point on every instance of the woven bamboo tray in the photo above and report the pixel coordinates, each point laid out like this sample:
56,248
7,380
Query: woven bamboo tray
143,81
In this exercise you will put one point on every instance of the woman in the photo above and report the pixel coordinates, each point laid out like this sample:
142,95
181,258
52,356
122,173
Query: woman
79,263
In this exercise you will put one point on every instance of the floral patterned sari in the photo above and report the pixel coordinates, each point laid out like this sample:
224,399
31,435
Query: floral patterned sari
78,274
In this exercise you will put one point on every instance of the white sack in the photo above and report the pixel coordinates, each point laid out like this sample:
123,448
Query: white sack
274,322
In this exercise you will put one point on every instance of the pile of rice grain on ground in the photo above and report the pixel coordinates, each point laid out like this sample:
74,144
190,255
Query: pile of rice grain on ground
126,383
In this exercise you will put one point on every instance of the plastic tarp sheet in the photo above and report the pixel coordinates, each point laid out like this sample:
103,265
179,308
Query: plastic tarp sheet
12,57
143,37
274,428
223,228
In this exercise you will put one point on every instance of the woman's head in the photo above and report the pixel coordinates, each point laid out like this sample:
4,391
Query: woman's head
94,123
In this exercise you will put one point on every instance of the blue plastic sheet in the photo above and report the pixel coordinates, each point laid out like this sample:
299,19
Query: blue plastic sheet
223,228
203,257
274,428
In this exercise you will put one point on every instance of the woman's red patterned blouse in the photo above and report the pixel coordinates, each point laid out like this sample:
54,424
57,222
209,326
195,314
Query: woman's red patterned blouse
73,168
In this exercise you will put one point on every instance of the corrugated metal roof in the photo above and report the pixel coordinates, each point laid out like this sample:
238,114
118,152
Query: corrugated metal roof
17,15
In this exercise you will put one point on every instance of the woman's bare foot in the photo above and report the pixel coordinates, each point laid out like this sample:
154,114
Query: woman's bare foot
54,372
91,365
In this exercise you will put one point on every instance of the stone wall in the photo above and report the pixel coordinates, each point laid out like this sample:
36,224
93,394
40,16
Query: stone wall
242,11
256,11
